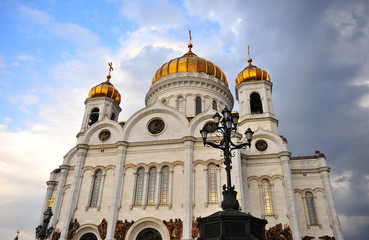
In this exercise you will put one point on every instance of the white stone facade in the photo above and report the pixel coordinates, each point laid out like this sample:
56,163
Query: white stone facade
179,147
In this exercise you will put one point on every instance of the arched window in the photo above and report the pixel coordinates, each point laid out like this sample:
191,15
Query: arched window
212,182
152,187
214,105
255,103
198,105
112,116
164,186
94,116
139,186
96,188
311,208
180,103
88,236
267,195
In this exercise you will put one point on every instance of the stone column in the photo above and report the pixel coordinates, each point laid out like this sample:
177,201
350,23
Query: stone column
187,187
157,188
116,192
332,212
75,187
145,188
290,195
59,194
170,196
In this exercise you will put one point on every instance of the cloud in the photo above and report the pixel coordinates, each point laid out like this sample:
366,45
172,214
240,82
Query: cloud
28,99
25,57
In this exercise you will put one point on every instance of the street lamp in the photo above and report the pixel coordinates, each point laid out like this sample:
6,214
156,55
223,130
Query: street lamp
226,125
42,232
231,223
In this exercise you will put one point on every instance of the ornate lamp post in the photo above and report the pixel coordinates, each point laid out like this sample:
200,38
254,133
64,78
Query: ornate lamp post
42,232
226,125
229,224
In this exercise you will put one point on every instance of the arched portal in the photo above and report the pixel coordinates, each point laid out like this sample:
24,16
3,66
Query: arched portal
88,236
149,234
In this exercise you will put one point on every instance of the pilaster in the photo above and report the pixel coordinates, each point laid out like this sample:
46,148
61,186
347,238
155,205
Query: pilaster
116,192
187,187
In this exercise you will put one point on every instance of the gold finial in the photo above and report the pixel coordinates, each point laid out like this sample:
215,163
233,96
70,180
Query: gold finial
18,233
51,200
110,69
249,60
190,44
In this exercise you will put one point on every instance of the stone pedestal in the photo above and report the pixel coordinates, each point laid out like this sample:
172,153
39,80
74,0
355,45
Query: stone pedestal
231,224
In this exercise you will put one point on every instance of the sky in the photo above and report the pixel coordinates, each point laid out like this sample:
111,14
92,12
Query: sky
52,52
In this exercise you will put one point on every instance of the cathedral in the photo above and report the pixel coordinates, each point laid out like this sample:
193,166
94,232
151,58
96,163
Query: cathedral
150,177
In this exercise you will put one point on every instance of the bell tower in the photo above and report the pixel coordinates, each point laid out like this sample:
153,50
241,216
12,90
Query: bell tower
254,95
102,102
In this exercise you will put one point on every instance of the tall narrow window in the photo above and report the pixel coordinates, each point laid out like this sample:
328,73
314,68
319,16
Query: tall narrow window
198,105
139,186
112,116
94,116
255,103
212,182
267,194
311,208
96,188
164,186
214,105
152,187
180,103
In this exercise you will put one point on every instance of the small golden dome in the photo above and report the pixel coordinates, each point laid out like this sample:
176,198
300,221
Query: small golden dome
189,62
105,89
252,73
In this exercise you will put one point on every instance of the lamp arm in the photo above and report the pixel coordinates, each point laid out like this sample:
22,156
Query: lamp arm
213,145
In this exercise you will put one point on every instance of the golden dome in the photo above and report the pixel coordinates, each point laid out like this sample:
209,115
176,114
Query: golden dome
189,62
105,89
252,73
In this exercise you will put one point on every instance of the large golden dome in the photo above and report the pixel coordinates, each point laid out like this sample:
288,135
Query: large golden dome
252,73
189,62
105,89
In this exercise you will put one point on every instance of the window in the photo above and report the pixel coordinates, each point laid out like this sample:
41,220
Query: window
96,188
164,101
152,187
139,186
212,182
267,195
180,103
164,186
311,208
112,116
214,105
255,103
94,116
198,105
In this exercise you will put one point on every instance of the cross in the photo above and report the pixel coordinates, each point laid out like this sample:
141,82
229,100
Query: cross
51,200
248,49
110,67
190,35
18,233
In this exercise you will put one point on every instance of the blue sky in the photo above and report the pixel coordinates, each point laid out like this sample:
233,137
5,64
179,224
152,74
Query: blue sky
52,52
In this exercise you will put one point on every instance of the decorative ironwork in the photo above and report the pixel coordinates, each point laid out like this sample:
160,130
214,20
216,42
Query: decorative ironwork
261,145
195,230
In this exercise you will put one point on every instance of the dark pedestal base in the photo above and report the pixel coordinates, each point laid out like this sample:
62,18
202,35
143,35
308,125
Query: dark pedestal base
231,224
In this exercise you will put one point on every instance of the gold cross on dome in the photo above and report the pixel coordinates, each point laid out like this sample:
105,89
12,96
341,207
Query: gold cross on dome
18,233
110,67
51,200
190,35
248,49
